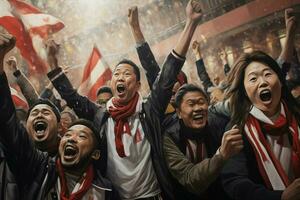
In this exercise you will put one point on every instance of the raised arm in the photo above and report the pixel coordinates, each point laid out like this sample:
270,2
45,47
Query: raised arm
144,52
286,54
25,85
223,56
202,73
82,106
162,89
24,159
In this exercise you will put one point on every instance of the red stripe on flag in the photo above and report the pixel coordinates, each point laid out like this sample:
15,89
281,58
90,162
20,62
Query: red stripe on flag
106,76
92,62
23,7
18,100
24,43
45,30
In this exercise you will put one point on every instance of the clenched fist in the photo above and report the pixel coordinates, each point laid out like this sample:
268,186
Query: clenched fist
232,143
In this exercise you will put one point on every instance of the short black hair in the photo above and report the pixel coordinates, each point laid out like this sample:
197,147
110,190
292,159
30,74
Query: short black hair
136,69
185,89
104,89
93,127
46,102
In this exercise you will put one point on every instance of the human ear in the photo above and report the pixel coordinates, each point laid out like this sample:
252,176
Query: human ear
96,154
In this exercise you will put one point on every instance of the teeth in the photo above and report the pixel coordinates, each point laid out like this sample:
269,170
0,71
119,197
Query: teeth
198,117
69,148
41,132
265,92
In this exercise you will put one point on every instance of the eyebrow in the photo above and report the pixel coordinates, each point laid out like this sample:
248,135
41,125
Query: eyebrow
255,72
121,69
42,110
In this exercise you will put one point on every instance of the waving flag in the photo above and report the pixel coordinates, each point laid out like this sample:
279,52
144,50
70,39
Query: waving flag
96,74
18,99
30,27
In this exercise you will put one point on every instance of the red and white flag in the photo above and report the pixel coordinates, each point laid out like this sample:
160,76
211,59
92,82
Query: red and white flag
96,74
30,27
18,99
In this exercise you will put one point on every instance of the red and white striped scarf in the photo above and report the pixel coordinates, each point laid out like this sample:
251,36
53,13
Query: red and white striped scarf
270,167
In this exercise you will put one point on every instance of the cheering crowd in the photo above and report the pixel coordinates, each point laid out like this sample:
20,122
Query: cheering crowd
237,138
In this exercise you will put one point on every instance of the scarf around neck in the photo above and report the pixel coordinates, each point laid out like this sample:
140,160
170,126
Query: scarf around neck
256,128
85,183
120,114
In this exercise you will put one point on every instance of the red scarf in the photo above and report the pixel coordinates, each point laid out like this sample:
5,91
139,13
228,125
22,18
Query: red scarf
280,127
87,182
120,113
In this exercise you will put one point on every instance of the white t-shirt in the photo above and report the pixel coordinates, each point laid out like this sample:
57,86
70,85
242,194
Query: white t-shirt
133,176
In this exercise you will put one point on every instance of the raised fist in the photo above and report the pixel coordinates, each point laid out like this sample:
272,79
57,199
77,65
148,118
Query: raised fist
194,11
7,42
12,63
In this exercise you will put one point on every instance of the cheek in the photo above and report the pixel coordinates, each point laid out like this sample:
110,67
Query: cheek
250,91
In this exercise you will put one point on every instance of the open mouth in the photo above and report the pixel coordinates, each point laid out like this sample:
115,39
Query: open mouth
199,116
265,95
121,88
70,151
40,128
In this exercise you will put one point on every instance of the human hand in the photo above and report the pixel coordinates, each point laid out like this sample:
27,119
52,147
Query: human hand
12,63
292,192
232,143
194,11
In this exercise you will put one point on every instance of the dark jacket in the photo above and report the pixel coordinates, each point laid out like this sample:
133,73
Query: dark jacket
8,184
203,75
34,170
148,62
200,180
26,87
242,180
151,116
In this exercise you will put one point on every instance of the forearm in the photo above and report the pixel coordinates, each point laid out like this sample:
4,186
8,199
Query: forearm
148,62
46,93
27,88
7,108
82,106
137,34
161,92
203,75
185,38
286,54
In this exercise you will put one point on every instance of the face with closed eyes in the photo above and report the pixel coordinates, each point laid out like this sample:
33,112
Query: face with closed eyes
263,87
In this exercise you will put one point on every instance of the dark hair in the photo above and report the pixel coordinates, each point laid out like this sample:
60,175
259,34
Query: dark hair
185,89
91,126
46,102
104,89
240,104
134,66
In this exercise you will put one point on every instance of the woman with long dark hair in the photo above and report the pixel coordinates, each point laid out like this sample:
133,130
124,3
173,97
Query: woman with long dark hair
261,105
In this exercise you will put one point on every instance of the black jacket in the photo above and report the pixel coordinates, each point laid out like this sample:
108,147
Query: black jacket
8,183
30,166
151,116
212,136
242,180
148,62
